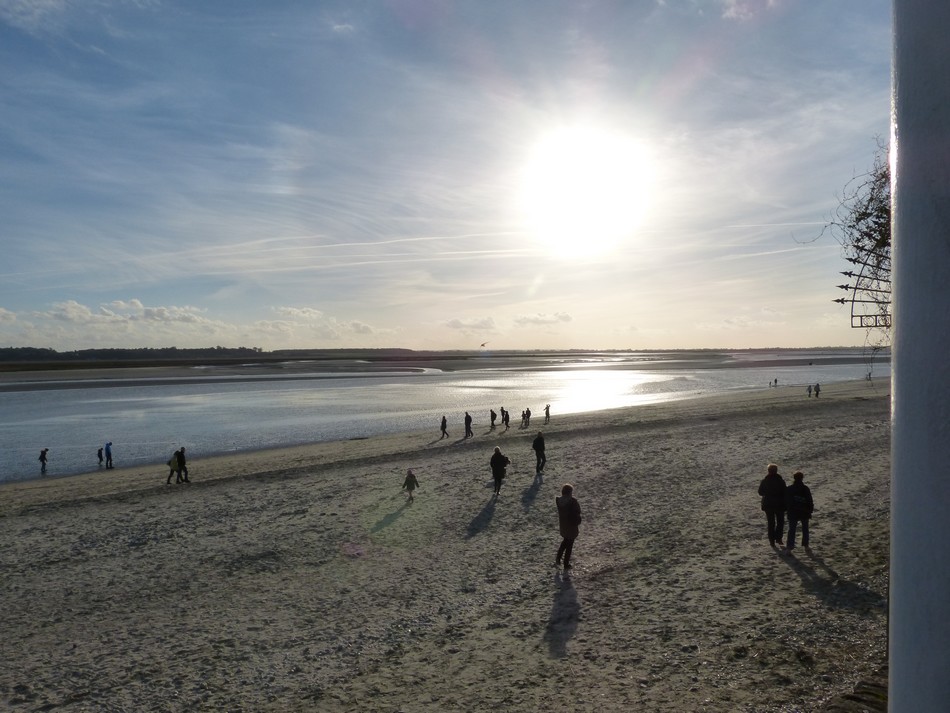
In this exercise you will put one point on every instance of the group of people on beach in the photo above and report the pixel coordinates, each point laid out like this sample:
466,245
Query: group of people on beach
779,499
104,454
493,417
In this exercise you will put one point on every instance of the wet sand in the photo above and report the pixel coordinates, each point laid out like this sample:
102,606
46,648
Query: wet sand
300,579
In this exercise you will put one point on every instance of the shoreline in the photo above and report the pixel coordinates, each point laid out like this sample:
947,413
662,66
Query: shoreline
301,579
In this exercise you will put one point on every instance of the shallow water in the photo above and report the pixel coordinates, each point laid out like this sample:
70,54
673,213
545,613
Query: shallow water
146,423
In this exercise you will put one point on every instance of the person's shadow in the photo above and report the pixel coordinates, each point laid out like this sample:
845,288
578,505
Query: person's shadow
389,519
530,494
565,613
824,583
481,521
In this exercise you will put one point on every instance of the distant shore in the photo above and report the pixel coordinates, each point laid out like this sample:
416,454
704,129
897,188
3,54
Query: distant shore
300,579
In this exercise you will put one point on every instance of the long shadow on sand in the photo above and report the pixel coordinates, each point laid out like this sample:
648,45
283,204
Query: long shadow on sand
565,613
481,521
530,494
390,518
824,583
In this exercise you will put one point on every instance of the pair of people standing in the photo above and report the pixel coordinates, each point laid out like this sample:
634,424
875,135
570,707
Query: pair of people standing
779,499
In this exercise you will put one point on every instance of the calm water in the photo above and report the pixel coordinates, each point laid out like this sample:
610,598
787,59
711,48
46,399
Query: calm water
147,422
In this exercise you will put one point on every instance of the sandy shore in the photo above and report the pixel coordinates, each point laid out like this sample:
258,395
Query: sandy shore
301,580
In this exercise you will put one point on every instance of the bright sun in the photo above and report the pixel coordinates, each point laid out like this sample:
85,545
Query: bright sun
585,190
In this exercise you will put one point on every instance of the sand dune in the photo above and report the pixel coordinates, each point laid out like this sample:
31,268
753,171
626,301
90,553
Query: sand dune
301,579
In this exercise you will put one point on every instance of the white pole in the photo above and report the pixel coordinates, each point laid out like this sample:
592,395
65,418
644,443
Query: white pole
920,407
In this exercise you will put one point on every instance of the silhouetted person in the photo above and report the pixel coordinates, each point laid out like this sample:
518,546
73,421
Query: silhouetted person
772,490
527,417
538,446
410,483
182,466
492,416
468,425
99,456
523,419
499,463
109,455
569,521
547,414
173,469
445,427
817,390
43,460
800,506
809,391
506,418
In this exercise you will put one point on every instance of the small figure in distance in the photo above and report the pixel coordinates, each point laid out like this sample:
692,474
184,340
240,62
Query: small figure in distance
109,455
499,463
527,417
800,506
547,414
772,490
817,390
445,427
173,469
410,483
538,446
524,420
506,418
43,460
569,521
99,456
492,416
468,425
809,391
182,466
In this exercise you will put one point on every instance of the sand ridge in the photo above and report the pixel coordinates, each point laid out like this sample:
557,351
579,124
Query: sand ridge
301,580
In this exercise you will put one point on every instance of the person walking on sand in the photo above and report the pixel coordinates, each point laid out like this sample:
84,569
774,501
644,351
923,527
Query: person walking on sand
538,446
817,390
772,490
410,483
468,426
499,463
109,455
182,465
492,416
445,429
809,391
43,460
506,418
800,506
547,414
173,469
569,521
99,456
527,418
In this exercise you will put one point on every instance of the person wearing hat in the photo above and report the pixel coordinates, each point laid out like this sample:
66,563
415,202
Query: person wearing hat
800,506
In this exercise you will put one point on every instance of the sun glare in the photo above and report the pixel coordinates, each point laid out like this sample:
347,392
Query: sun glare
585,190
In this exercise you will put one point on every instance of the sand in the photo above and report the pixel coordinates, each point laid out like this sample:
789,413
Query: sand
301,579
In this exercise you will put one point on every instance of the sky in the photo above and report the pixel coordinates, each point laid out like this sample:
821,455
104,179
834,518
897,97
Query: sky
432,174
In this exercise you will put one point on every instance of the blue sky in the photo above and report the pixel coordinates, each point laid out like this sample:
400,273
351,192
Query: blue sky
432,174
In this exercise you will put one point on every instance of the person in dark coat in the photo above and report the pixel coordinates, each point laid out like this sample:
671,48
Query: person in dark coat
182,466
445,428
538,446
410,483
569,521
43,459
173,469
109,455
468,425
499,463
772,490
800,506
99,456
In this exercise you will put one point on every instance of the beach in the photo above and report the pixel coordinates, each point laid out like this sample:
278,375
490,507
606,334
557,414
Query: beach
301,579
